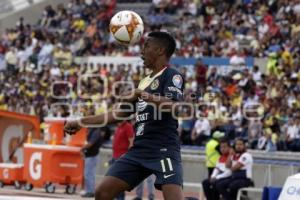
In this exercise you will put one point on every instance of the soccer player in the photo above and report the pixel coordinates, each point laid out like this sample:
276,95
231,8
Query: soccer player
156,148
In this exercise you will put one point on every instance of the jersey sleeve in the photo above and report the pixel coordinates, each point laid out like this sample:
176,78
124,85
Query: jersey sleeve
173,87
215,173
245,159
226,173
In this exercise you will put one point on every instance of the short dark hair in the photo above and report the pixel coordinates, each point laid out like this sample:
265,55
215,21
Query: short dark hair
225,141
166,39
241,139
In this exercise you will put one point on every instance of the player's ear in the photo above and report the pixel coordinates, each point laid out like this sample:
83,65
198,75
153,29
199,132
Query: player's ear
161,51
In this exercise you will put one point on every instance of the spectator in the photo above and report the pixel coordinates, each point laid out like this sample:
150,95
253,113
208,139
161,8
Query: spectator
256,74
268,141
254,132
292,134
11,60
201,131
201,71
45,54
219,174
185,128
240,163
212,151
90,152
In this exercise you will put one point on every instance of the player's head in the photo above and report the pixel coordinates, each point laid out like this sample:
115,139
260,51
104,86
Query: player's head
224,146
240,145
157,45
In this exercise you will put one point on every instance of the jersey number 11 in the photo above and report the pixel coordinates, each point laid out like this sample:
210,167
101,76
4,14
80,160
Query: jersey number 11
169,163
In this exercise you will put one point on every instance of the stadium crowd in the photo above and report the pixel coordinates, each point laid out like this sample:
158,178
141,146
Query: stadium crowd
33,56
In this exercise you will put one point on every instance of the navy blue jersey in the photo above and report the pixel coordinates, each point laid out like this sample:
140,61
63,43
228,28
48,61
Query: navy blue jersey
156,127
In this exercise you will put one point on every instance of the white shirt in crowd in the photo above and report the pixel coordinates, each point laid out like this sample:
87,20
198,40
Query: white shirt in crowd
246,160
22,57
237,60
29,49
297,8
293,131
202,126
2,63
262,30
55,71
11,57
257,76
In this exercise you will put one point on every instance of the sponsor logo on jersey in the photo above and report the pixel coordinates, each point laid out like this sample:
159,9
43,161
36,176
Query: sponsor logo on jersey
174,89
142,117
177,81
154,84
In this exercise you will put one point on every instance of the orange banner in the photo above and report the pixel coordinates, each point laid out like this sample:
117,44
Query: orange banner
14,128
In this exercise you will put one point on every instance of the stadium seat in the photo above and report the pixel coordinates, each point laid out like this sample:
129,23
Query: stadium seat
242,196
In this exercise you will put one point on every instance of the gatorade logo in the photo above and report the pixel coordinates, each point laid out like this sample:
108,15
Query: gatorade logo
35,167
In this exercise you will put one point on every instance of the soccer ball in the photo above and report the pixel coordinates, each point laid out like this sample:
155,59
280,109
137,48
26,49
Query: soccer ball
127,27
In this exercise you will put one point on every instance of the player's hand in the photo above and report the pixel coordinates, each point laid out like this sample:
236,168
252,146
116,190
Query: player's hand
71,127
231,151
82,154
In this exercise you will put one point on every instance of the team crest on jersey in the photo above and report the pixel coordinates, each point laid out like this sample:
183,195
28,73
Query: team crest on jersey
154,84
177,81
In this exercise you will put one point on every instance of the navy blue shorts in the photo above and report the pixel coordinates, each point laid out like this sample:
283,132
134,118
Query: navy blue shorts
134,170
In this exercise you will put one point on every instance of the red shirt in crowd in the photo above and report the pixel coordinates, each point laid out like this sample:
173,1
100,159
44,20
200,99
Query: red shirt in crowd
223,158
123,133
201,74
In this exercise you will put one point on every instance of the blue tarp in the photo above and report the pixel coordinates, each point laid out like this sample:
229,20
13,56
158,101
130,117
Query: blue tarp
271,193
216,61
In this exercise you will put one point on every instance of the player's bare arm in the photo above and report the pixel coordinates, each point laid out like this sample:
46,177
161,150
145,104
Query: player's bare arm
73,126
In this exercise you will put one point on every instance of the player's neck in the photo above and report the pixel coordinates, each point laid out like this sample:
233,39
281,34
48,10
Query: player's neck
157,70
158,67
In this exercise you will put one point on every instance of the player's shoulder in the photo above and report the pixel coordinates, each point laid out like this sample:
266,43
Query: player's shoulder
174,77
247,156
170,71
